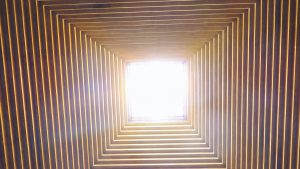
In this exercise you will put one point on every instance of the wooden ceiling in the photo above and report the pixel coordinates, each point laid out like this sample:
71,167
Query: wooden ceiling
62,94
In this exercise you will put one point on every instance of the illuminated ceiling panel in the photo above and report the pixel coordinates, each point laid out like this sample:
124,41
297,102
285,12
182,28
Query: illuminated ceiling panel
156,91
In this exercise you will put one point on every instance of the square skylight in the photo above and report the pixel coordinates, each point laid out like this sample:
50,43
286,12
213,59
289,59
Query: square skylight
156,91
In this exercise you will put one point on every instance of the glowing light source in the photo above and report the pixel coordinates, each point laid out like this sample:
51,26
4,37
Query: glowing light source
156,91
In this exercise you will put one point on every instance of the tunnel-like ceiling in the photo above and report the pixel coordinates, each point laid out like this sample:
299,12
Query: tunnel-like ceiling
62,76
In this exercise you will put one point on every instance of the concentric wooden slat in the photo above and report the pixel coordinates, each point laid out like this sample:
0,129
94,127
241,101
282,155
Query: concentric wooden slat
62,76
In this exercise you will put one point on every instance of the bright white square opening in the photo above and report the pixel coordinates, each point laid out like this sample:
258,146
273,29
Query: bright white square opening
156,91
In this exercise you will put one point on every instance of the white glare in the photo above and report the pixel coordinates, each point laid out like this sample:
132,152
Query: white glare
156,91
